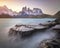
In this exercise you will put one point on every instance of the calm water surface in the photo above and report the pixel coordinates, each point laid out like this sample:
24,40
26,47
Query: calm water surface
16,41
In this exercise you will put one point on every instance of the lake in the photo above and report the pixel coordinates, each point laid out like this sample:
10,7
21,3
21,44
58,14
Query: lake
16,41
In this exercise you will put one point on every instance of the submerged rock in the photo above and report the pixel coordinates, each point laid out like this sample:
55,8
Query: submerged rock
50,43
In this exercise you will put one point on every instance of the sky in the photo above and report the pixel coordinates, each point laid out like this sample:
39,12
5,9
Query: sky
47,6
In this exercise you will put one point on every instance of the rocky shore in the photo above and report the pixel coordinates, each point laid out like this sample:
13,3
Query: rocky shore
55,42
26,30
50,43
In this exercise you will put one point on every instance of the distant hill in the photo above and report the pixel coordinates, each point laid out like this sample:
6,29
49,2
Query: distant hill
5,16
33,16
27,16
44,16
57,15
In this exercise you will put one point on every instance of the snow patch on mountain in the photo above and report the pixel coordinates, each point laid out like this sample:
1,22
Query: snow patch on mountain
28,11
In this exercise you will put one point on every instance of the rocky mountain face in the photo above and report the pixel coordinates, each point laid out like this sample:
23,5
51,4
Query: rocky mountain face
5,10
57,15
27,11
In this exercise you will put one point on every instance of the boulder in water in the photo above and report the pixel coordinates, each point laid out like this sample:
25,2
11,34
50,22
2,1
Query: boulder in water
49,43
26,29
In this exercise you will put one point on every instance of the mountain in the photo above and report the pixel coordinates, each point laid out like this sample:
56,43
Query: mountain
57,15
32,13
29,12
5,10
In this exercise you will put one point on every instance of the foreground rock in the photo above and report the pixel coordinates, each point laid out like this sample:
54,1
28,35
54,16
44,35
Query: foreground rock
24,30
50,43
57,27
49,23
57,21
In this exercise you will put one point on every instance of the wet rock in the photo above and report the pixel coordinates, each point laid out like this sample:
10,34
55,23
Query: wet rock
57,21
39,27
49,23
20,30
50,43
26,29
56,27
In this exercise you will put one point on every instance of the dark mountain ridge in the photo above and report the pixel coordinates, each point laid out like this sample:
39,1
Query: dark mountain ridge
57,15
